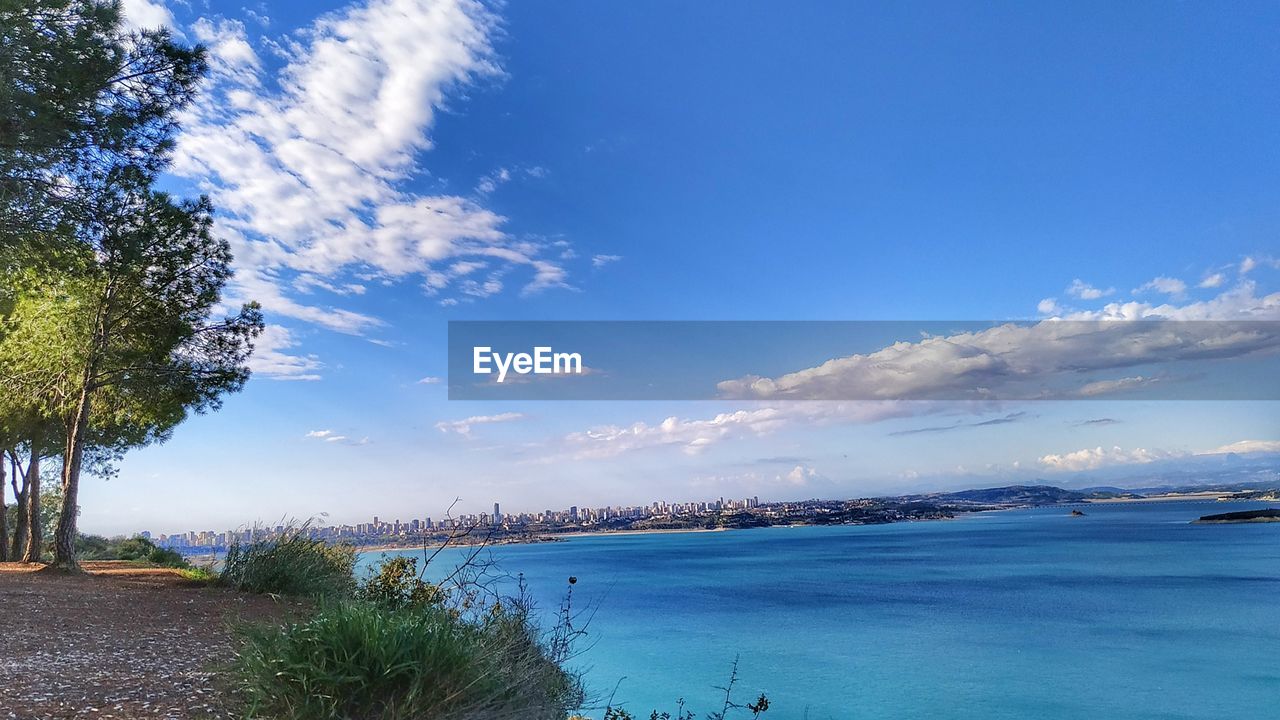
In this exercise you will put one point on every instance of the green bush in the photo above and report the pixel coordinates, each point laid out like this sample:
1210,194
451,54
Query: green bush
137,549
359,659
291,564
396,584
165,557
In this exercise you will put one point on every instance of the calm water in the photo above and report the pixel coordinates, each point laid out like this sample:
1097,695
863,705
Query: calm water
1129,612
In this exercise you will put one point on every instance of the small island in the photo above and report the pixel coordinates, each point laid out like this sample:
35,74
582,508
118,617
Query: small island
1244,516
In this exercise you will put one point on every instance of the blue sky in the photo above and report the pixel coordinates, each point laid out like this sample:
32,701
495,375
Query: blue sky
384,167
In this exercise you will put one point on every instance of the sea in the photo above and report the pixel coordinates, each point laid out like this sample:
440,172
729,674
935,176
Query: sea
1127,613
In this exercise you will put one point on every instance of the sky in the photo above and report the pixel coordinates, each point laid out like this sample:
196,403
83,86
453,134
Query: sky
382,168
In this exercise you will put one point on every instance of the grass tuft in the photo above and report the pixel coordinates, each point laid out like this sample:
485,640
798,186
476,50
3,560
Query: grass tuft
291,564
360,659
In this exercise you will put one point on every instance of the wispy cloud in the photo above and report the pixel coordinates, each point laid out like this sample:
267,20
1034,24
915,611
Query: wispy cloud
270,359
429,380
599,261
1213,281
1166,285
959,425
464,426
695,435
313,166
1080,289
330,436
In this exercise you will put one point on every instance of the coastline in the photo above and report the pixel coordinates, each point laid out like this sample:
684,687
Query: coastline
1220,496
544,538
531,539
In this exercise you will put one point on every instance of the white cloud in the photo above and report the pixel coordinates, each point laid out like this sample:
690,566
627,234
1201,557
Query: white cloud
146,15
230,53
800,475
1015,360
1107,387
599,261
270,360
1244,447
1080,289
1098,457
490,182
1213,281
463,427
429,380
1166,285
312,169
1048,306
330,436
693,436
1247,265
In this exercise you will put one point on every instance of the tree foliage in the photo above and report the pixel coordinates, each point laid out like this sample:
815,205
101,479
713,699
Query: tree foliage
112,326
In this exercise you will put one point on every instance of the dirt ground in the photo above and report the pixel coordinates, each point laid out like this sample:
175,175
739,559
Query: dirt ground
117,642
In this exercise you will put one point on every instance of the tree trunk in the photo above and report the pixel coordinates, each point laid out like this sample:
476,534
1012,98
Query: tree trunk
4,516
35,538
64,538
20,505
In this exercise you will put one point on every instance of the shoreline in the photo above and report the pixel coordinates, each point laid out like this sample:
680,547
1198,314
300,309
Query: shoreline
565,536
1173,497
545,538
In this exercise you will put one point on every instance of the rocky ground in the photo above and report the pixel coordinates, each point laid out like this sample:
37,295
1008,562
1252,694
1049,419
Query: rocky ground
117,642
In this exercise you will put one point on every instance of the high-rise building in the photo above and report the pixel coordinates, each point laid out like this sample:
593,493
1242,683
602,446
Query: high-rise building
497,515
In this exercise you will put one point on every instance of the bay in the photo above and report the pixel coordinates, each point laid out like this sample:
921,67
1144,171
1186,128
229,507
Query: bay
1127,613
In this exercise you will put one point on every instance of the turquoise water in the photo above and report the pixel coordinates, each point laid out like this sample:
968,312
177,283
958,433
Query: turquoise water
1127,613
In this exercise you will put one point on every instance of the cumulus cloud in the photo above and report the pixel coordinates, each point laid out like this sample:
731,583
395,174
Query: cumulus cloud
312,167
1025,360
1049,306
1166,285
1098,457
464,426
146,15
1244,447
800,476
1080,289
269,359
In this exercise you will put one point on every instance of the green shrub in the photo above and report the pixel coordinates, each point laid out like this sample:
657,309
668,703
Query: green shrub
137,549
165,557
396,584
201,575
359,659
291,564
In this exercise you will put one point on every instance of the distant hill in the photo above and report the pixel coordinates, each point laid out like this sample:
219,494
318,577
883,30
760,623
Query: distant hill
1009,495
